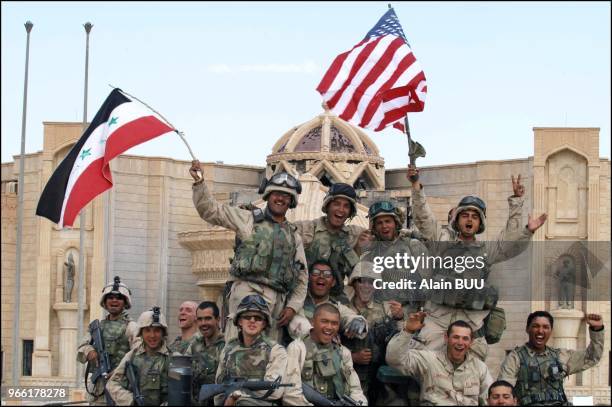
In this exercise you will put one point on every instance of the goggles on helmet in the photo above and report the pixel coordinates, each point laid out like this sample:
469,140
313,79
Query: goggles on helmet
284,179
381,206
255,300
474,201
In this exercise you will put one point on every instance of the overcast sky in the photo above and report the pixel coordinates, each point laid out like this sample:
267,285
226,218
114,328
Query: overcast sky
236,76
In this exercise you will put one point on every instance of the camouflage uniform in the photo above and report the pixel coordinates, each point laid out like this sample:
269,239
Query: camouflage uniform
151,369
538,377
301,324
205,361
180,346
269,261
512,240
327,368
336,247
263,360
119,336
442,383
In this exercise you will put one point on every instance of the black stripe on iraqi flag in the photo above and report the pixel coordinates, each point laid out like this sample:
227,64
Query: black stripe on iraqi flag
52,198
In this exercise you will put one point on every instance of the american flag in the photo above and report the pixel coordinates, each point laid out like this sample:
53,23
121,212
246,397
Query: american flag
378,81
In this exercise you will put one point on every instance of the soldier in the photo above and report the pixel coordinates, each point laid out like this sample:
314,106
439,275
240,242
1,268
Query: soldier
119,334
450,376
329,238
150,360
320,282
468,220
252,356
537,371
189,328
386,221
383,319
501,393
206,348
320,362
269,259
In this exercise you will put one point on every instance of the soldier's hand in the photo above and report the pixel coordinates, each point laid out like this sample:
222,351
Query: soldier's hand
519,190
356,328
415,322
412,172
92,356
362,357
286,316
231,400
195,170
595,321
365,238
535,224
396,310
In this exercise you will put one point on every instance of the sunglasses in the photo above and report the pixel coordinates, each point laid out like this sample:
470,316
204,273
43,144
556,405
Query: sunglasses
324,273
255,318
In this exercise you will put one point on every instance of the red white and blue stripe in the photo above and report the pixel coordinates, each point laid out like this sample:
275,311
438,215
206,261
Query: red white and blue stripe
377,82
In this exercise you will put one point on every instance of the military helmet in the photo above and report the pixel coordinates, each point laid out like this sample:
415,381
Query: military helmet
470,202
252,302
363,269
153,317
382,208
117,287
281,182
341,190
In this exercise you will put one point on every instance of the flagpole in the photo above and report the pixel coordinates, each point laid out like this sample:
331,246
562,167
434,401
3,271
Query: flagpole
20,189
88,26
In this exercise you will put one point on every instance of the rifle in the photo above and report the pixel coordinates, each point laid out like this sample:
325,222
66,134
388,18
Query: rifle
104,364
133,381
318,399
239,383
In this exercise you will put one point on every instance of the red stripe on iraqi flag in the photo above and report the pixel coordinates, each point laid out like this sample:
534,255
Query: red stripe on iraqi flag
89,185
129,135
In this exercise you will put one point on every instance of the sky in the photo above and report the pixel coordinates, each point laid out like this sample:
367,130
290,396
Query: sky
235,76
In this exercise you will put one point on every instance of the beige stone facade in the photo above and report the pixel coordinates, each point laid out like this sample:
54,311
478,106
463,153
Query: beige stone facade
146,230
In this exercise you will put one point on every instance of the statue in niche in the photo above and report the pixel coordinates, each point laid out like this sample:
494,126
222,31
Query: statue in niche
566,273
69,270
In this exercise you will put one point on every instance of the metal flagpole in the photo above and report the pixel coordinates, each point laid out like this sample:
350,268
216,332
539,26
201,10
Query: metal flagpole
20,189
88,26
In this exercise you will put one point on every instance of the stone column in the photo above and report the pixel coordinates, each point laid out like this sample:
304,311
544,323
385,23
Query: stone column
566,330
67,314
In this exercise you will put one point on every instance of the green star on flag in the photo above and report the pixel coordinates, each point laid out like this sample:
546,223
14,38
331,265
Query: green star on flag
113,120
85,153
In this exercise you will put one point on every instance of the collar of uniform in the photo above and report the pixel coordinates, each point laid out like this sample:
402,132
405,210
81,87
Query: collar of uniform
257,341
215,341
327,300
369,305
122,317
322,225
532,352
162,350
268,216
450,367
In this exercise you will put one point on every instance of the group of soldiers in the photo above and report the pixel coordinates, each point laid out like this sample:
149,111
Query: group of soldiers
302,324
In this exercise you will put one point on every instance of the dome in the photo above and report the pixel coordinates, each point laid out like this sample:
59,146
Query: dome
330,149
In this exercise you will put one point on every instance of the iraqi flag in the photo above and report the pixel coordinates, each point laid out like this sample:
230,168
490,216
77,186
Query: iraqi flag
85,173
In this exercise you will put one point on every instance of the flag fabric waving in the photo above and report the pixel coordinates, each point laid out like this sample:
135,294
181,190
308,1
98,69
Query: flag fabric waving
85,173
378,81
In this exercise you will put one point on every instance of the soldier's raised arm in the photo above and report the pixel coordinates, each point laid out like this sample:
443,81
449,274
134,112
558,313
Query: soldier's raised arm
422,214
410,362
214,212
575,361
